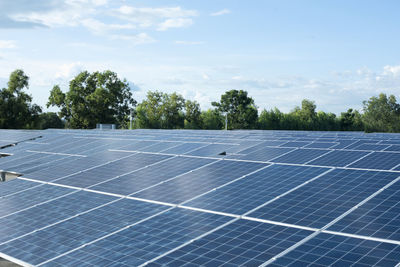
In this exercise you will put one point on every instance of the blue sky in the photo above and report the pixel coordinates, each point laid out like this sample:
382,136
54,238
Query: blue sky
337,53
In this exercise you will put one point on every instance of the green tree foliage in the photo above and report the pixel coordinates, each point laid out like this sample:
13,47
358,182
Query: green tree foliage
270,120
16,108
212,119
98,97
49,120
382,113
161,111
242,112
192,115
351,120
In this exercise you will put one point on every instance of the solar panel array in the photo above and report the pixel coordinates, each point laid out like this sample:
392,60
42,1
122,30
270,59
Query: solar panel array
210,198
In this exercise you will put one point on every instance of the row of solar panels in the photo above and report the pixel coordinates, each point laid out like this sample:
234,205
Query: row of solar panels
193,209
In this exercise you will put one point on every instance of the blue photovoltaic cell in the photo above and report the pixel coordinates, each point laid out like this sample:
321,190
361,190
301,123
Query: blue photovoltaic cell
137,145
338,158
379,217
360,142
262,145
48,213
41,162
395,148
145,241
343,143
14,186
326,198
295,144
265,154
335,250
300,156
321,145
200,181
31,197
212,150
371,147
16,161
184,148
111,170
139,180
241,243
41,245
160,146
75,164
378,161
256,189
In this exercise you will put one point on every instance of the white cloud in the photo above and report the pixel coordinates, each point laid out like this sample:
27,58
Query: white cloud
101,28
162,18
221,12
189,42
136,39
175,23
68,71
7,44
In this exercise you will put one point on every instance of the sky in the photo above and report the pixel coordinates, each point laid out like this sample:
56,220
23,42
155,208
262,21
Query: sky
337,53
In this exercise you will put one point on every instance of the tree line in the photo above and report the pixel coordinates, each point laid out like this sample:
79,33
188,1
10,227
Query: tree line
102,97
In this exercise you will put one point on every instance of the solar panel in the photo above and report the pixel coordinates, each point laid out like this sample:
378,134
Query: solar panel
378,160
256,189
170,197
334,250
199,181
300,156
326,198
379,217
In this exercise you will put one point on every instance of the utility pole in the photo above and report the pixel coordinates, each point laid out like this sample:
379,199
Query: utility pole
226,121
131,119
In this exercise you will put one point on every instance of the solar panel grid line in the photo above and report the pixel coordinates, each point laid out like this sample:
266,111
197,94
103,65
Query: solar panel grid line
63,220
387,149
94,167
259,161
22,190
105,236
360,204
189,150
364,237
330,151
209,211
15,260
290,225
160,140
270,160
225,184
130,172
56,153
357,160
21,171
395,167
293,247
287,192
175,177
165,154
189,242
37,204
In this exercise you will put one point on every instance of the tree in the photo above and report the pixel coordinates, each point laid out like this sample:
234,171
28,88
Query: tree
242,112
212,119
49,120
270,120
192,115
16,108
382,113
98,97
161,111
351,120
